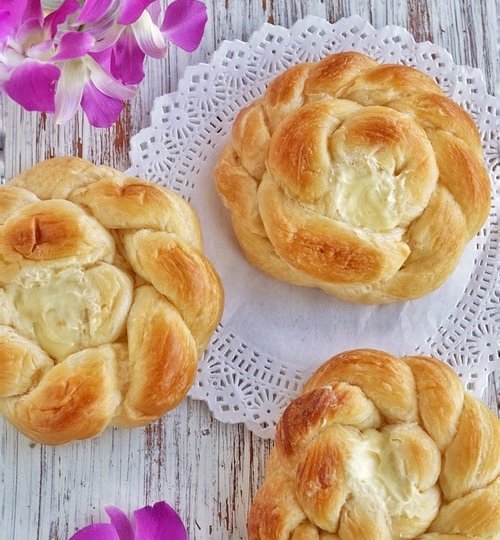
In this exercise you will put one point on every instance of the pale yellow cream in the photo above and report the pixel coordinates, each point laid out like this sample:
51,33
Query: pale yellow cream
75,308
373,472
368,195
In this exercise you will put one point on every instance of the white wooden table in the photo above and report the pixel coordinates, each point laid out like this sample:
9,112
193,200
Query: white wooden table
207,470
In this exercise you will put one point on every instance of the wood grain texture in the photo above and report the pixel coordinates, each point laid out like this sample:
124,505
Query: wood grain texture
208,470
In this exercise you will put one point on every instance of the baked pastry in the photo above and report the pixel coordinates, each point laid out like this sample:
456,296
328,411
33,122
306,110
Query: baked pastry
378,448
361,179
106,300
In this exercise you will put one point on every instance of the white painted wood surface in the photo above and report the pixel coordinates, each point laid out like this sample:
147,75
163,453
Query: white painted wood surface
207,470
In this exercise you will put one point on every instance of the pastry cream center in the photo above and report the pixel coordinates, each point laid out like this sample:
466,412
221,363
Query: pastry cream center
75,308
373,472
367,195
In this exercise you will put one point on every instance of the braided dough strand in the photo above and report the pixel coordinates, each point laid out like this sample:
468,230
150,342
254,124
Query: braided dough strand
361,179
106,300
380,447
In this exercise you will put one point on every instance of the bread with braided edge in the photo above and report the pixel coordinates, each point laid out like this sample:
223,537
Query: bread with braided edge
377,448
361,179
106,300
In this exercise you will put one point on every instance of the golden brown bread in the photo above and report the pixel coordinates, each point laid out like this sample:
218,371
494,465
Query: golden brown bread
379,447
106,300
358,178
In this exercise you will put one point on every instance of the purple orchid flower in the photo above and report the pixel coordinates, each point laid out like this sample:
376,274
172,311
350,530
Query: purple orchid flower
88,53
157,522
25,47
147,34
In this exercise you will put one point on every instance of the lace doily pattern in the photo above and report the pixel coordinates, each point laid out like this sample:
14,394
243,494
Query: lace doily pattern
240,383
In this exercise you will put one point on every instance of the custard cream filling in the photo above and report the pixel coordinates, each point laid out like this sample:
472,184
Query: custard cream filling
366,194
373,472
75,308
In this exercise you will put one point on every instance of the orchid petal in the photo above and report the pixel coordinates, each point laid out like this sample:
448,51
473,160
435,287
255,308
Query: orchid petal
155,11
184,23
74,45
96,531
70,90
6,25
21,10
7,5
10,18
132,10
33,10
111,36
30,30
33,85
41,51
101,110
55,18
149,37
4,74
14,8
12,58
93,10
103,58
159,522
120,522
106,84
127,59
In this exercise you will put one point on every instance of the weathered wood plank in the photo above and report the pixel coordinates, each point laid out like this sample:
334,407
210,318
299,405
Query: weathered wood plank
208,470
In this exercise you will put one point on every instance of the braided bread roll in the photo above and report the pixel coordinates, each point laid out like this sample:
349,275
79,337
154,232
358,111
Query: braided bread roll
378,448
106,300
361,179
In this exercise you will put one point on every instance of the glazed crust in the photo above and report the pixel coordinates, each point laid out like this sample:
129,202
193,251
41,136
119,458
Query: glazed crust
358,178
379,447
106,300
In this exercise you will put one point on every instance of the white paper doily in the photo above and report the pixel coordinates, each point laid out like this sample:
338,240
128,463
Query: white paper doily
264,348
